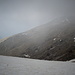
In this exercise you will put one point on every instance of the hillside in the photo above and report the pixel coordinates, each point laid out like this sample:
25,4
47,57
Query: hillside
1,40
52,41
24,66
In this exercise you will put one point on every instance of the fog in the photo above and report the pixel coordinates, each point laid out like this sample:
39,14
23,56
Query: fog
21,15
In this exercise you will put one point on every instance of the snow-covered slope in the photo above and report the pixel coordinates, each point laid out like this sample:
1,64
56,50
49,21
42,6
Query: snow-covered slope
24,66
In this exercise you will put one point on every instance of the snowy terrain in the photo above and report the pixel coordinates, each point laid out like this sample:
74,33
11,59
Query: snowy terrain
24,66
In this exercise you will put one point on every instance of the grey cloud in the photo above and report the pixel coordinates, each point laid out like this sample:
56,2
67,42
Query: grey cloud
20,15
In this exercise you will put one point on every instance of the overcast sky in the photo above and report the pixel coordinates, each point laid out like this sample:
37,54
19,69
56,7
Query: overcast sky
20,15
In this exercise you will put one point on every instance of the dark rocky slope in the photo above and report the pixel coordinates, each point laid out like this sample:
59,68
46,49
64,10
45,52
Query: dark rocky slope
52,41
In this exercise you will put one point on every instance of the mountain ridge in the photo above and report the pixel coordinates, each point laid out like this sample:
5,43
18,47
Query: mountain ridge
51,41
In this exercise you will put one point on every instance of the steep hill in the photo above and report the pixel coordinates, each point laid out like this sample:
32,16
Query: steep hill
52,41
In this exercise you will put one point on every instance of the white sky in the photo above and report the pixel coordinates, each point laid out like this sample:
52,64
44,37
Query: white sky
20,15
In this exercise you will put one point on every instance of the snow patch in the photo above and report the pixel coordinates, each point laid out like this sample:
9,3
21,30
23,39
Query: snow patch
73,60
24,66
66,20
26,55
60,40
54,39
74,39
